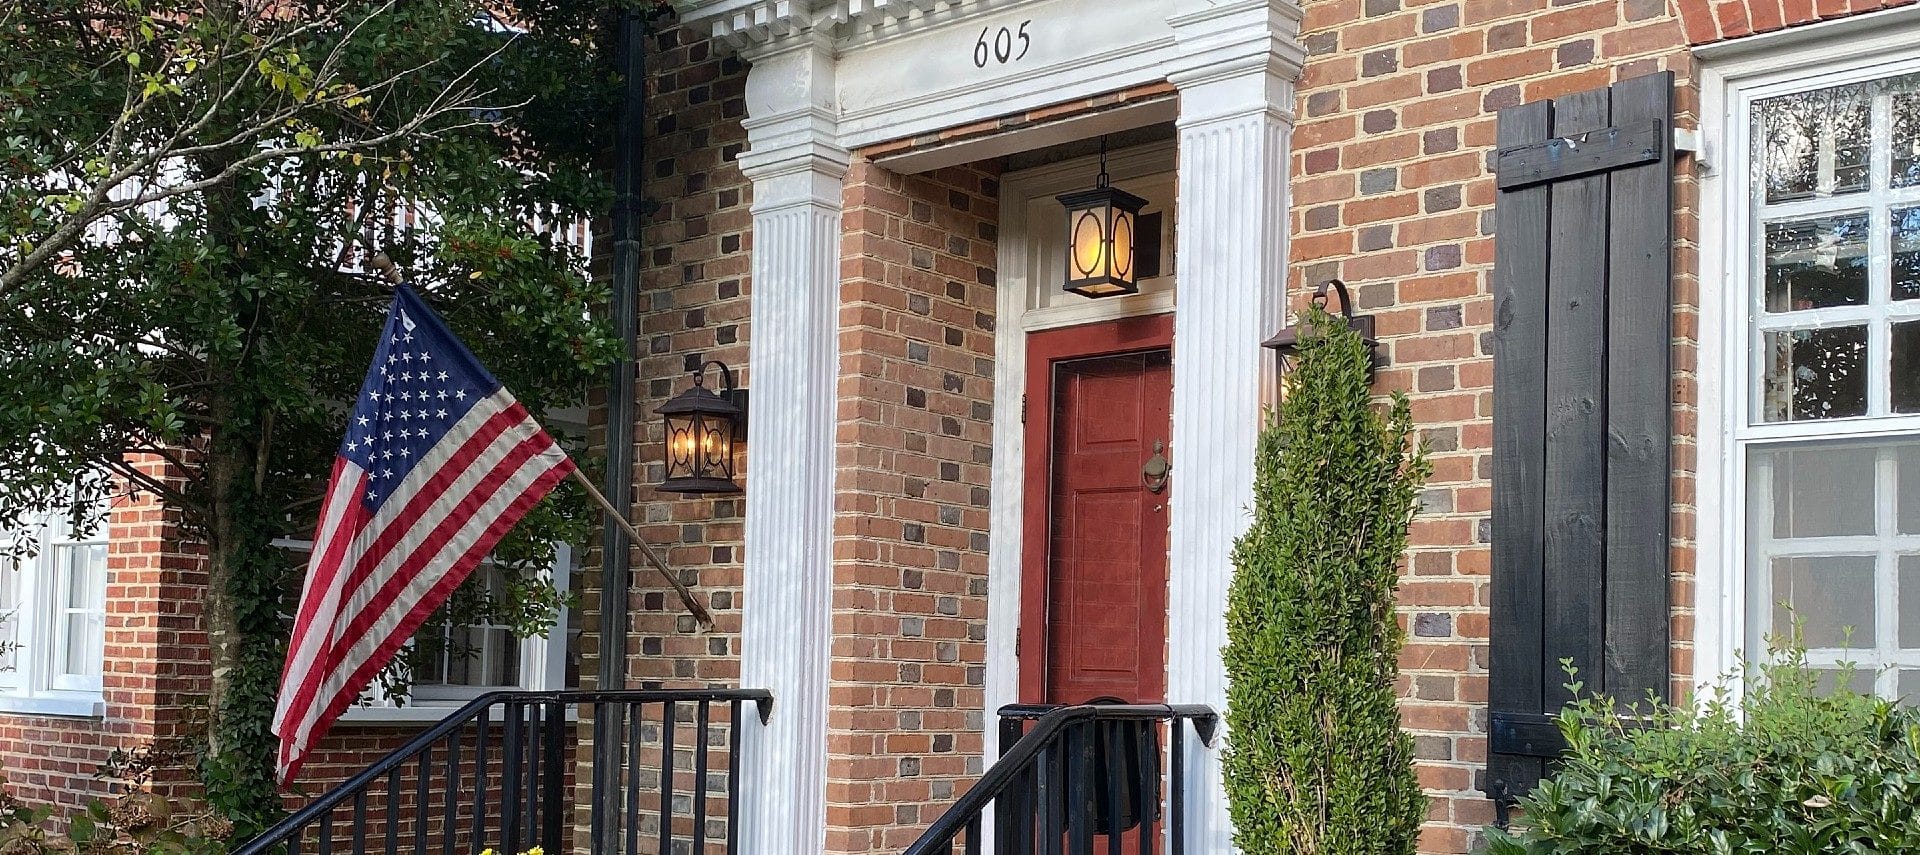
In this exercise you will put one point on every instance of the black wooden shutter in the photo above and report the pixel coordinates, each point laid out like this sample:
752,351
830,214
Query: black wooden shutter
1581,411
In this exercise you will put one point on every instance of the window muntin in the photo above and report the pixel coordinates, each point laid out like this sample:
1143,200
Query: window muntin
1828,448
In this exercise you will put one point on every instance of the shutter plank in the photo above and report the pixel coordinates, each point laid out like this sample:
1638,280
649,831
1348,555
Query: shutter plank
1639,401
1519,453
1576,409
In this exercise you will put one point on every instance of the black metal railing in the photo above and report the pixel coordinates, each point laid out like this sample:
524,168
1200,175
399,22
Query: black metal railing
1070,775
508,772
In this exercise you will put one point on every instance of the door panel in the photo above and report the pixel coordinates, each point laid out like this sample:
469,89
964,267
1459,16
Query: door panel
1094,601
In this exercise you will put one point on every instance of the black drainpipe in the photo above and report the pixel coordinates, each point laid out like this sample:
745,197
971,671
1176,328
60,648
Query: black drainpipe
615,558
628,151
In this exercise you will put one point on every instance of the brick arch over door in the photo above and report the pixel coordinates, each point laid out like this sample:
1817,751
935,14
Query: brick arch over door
1718,20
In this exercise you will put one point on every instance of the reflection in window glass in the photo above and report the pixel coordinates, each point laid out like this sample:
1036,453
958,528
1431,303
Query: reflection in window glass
1904,366
1813,264
1814,143
1906,133
1906,254
1829,596
1815,374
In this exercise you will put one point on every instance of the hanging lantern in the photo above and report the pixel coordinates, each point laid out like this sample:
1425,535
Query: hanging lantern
1102,224
1286,343
701,429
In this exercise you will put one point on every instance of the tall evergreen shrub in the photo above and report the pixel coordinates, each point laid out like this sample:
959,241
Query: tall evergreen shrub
1316,763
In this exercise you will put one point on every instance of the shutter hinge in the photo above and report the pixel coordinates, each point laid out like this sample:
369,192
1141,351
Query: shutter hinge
1023,409
1016,643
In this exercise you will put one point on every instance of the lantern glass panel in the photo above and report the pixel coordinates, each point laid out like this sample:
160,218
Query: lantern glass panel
1089,242
1121,266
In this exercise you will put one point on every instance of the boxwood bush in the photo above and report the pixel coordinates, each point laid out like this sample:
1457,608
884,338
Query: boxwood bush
1791,767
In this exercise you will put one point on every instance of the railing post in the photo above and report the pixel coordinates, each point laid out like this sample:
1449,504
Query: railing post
552,812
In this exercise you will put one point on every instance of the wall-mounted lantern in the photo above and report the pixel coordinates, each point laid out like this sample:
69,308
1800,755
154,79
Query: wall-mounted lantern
1286,342
1101,226
702,428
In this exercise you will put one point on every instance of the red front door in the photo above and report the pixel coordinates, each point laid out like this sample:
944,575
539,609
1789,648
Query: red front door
1094,610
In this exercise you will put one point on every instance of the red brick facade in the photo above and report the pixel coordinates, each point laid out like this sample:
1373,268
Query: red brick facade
1390,191
904,716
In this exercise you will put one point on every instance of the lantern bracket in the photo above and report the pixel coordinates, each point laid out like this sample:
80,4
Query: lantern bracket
728,392
1287,341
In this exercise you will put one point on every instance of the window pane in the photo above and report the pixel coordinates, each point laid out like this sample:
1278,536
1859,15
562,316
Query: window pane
1907,459
1813,143
1906,254
1813,264
1906,134
82,624
503,667
1910,602
1820,490
1904,366
1814,374
10,617
1860,680
1827,596
1909,687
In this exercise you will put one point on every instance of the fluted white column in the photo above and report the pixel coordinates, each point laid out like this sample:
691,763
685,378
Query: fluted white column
797,171
1237,62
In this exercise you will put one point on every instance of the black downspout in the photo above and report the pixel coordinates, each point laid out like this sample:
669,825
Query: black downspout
615,559
628,151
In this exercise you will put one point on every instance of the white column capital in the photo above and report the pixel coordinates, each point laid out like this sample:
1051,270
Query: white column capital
1236,57
793,141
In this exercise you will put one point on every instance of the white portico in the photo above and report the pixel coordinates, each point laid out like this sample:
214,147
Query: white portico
916,86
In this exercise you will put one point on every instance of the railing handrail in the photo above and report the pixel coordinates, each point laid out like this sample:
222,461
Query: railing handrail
1053,720
465,715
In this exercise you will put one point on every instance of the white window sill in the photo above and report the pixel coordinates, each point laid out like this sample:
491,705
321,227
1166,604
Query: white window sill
68,704
425,712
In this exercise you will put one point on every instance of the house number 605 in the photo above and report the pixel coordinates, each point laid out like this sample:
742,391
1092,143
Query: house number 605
997,46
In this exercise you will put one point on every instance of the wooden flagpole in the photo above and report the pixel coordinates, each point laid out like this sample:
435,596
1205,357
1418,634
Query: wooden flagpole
687,599
391,272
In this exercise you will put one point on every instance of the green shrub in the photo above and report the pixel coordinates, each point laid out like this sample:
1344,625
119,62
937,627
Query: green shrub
1789,768
1316,763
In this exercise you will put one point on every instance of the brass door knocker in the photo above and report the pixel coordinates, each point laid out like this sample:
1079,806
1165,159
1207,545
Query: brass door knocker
1154,473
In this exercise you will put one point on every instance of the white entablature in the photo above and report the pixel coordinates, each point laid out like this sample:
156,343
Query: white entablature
901,69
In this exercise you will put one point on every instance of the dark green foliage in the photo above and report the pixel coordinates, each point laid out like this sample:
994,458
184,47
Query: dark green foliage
1788,768
1316,762
222,327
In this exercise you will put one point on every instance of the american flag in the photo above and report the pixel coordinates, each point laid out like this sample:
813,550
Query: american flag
438,463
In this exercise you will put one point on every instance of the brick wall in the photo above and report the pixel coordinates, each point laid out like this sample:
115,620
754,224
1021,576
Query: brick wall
914,451
1714,20
1392,194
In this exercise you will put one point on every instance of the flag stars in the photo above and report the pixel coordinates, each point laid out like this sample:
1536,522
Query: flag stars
460,394
362,420
443,375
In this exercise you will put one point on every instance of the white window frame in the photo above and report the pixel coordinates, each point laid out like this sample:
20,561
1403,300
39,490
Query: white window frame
543,663
35,686
1733,75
